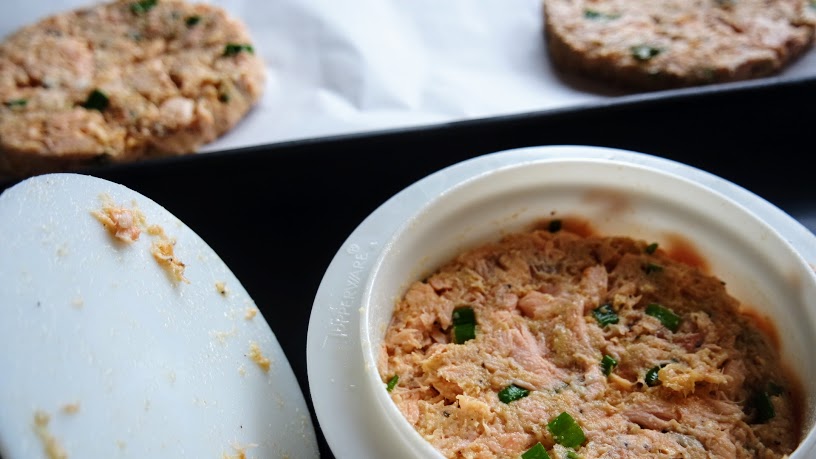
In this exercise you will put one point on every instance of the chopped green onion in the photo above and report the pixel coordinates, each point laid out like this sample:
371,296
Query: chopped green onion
536,452
605,315
572,455
763,408
644,52
463,333
762,405
607,364
232,49
392,383
554,226
143,6
597,15
652,268
666,316
192,20
463,315
592,14
97,100
566,431
651,248
16,103
464,324
512,393
652,377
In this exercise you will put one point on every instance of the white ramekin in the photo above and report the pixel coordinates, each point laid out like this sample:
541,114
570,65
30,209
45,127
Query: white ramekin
762,254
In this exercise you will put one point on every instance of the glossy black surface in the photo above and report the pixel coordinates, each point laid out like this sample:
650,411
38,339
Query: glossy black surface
277,214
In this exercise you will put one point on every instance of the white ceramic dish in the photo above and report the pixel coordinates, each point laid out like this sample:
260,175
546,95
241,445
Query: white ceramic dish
761,252
125,361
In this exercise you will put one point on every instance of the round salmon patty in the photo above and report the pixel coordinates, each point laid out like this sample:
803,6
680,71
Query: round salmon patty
122,81
655,44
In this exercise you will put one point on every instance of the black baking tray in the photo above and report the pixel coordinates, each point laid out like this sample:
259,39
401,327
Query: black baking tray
315,192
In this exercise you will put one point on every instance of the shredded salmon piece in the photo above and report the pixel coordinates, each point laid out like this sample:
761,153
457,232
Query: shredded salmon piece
257,356
51,446
121,222
163,251
71,408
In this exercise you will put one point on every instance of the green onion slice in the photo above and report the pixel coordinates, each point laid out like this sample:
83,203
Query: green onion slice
463,315
650,268
572,455
597,15
592,14
607,364
512,393
651,377
143,6
605,315
97,100
464,324
392,383
666,316
651,248
16,103
644,52
232,49
536,452
763,408
566,431
463,333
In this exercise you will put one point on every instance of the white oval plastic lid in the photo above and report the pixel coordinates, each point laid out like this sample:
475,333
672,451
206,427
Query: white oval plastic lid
108,353
345,405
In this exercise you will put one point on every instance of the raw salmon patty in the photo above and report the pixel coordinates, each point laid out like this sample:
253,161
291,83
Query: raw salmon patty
122,81
655,44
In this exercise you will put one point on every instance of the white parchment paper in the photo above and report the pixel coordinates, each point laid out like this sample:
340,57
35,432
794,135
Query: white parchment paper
349,66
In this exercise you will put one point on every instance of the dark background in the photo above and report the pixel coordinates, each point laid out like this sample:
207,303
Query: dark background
314,193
